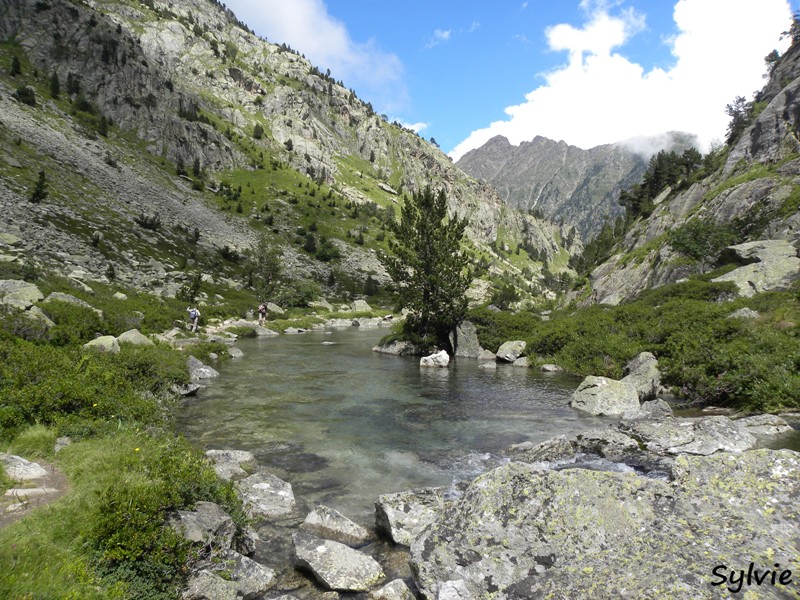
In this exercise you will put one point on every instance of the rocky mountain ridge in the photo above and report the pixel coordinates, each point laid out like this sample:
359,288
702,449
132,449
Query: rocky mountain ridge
186,84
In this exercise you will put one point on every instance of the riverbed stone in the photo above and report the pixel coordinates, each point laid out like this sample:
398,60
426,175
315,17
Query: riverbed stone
550,368
643,374
199,370
489,366
235,352
228,463
20,469
207,524
765,424
437,360
336,566
651,409
206,585
403,515
249,579
522,362
266,496
607,443
522,532
397,348
603,396
330,524
104,343
511,351
703,436
135,337
486,355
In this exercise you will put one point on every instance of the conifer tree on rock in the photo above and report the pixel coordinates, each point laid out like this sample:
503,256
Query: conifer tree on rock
430,268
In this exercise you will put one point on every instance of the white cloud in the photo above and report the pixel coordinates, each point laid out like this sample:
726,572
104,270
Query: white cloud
415,127
306,26
599,96
439,36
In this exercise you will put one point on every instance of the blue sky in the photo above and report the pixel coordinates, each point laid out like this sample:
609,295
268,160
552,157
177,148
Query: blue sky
587,72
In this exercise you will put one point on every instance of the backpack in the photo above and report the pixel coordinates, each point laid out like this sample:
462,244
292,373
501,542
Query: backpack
194,313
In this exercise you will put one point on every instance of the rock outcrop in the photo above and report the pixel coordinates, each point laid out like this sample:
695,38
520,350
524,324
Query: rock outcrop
603,396
336,566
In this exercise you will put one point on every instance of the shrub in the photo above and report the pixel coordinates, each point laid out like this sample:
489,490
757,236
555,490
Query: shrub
26,95
74,324
298,293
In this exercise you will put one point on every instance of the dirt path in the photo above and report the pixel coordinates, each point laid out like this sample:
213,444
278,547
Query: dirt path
24,496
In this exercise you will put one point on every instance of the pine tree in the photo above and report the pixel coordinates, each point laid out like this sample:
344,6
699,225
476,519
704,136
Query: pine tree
16,67
40,191
55,85
430,268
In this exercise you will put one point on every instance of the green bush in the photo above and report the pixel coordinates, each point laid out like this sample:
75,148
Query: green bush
74,324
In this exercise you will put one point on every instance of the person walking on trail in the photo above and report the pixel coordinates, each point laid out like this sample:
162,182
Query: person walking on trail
194,318
262,313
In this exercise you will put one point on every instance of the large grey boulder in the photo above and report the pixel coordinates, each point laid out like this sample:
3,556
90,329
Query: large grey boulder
105,343
208,524
775,267
702,436
248,579
603,396
437,360
206,585
70,299
521,532
330,524
135,337
608,443
199,370
651,409
336,566
397,348
511,351
643,374
360,306
403,515
227,463
466,341
266,496
20,294
20,469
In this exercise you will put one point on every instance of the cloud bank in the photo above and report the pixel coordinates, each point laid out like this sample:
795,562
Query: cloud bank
599,96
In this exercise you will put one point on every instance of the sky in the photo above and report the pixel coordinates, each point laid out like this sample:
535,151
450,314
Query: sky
587,72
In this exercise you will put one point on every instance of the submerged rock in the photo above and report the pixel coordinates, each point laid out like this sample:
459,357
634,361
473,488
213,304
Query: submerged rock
199,370
227,463
521,532
336,566
511,351
440,359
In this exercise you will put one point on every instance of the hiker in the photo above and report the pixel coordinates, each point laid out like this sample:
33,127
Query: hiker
194,318
262,313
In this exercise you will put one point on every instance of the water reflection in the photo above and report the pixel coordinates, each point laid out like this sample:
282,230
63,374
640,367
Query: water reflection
344,424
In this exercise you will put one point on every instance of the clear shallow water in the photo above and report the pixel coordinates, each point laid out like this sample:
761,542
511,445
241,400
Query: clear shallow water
344,424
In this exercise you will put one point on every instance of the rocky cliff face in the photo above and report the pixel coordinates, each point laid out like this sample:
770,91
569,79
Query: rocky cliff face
754,193
186,85
564,183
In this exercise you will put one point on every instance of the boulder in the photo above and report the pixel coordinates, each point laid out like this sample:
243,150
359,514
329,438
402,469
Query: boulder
523,532
257,329
511,351
235,353
486,355
439,359
208,524
603,396
549,368
523,362
20,469
70,299
774,266
336,566
607,443
105,343
190,389
394,590
321,303
198,370
360,306
120,296
397,348
403,515
206,585
227,463
744,313
274,308
20,294
248,578
652,409
37,315
342,323
765,424
330,524
135,337
489,366
703,436
643,374
266,496
465,341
